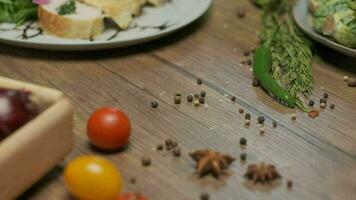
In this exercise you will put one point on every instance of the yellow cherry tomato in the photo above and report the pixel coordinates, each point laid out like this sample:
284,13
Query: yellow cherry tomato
93,178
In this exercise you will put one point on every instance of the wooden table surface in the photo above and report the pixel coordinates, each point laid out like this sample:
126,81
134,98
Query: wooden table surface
318,155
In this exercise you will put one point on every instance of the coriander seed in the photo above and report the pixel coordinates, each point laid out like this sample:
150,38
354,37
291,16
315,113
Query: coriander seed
293,116
177,100
196,103
323,105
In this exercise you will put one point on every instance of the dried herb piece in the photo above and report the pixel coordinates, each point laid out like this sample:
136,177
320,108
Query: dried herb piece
262,173
211,162
313,114
133,180
241,110
168,142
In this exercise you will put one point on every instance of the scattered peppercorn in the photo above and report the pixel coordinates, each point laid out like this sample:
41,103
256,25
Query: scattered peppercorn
351,82
154,104
246,53
243,157
190,98
197,96
168,142
332,106
248,116
290,184
322,105
204,196
241,110
196,103
249,62
311,103
132,180
293,116
177,152
177,100
262,130
255,82
159,147
202,93
241,13
323,100
202,100
233,98
146,161
261,119
326,95
199,81
243,141
274,124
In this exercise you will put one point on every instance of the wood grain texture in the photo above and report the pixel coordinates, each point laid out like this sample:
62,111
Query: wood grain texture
318,155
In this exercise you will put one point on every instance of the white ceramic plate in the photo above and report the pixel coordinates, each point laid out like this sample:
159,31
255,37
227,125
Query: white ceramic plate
155,22
302,17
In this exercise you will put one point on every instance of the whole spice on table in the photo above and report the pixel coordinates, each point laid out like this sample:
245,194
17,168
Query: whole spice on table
332,106
204,196
196,103
255,82
290,184
326,95
177,152
241,110
233,98
262,173
261,119
351,82
243,141
202,100
262,130
199,81
211,162
241,13
243,157
190,98
346,78
246,53
313,114
154,104
322,105
248,116
274,124
177,100
311,103
247,122
159,147
178,94
168,142
323,100
202,93
146,161
249,62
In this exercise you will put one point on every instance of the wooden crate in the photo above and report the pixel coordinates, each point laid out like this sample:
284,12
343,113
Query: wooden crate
39,145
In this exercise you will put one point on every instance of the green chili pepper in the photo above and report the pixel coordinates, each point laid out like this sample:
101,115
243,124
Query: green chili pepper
262,70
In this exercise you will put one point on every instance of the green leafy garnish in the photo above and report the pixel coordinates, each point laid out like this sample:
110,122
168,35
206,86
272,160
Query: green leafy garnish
67,8
291,49
17,11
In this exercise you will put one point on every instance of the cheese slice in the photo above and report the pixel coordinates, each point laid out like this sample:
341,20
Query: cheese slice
85,23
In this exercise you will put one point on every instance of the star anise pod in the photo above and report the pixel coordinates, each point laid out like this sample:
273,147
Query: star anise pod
262,173
211,162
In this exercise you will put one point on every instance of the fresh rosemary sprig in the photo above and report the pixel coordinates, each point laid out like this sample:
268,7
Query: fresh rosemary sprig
291,49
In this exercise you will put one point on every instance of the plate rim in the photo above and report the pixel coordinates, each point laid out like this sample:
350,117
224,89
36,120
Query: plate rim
104,44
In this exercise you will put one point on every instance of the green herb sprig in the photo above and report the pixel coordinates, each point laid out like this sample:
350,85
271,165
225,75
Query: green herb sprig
67,8
17,11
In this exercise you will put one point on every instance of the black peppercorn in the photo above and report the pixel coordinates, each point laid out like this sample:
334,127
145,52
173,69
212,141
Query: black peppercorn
243,141
233,98
190,98
199,81
146,161
248,116
249,62
255,82
159,147
326,95
311,103
261,119
177,99
246,53
332,106
168,142
243,157
154,104
202,100
202,93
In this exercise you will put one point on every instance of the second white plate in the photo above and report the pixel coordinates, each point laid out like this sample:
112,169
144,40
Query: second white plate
155,22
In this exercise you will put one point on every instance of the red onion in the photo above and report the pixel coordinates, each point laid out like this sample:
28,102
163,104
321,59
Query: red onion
16,109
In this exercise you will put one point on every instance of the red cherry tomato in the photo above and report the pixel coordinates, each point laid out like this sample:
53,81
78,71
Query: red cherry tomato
109,129
132,196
